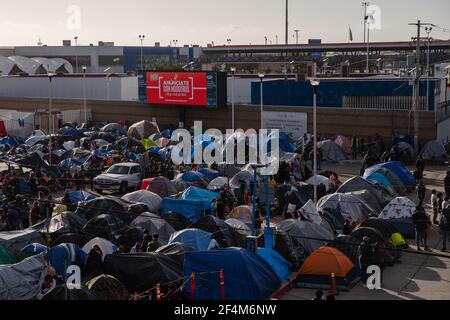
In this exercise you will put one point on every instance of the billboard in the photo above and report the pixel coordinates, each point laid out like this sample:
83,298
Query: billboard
201,89
294,124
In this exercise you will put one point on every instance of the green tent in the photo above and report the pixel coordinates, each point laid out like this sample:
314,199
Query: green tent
6,257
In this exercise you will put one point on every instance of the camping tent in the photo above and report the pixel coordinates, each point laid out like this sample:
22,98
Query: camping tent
65,254
23,281
195,193
331,151
218,183
254,279
177,220
399,169
388,230
347,205
60,293
319,180
374,237
344,143
105,226
106,287
160,185
154,225
434,151
193,210
399,212
397,184
317,269
242,176
276,261
377,178
348,245
142,271
242,213
225,235
196,238
152,200
14,241
106,247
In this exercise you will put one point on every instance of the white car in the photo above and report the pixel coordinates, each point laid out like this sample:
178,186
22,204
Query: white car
119,177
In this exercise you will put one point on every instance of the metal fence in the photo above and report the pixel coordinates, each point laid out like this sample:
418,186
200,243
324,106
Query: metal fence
382,103
443,111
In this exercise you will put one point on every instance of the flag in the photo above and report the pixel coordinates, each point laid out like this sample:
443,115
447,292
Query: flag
350,34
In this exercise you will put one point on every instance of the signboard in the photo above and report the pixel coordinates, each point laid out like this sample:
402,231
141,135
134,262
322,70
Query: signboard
294,124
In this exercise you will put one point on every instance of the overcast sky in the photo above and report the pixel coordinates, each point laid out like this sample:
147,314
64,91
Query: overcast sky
22,22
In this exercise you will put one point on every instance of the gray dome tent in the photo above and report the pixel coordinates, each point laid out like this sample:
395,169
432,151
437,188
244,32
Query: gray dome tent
331,151
434,151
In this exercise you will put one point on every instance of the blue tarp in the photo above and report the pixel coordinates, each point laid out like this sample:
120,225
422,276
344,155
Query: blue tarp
167,133
77,196
247,276
209,174
34,248
64,255
283,142
396,167
196,238
191,209
276,261
70,162
8,140
23,186
199,194
192,176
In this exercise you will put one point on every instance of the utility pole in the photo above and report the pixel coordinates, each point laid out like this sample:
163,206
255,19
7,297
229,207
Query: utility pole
365,5
287,22
416,90
429,39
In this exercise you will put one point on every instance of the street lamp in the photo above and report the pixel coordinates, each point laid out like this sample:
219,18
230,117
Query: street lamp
233,71
50,77
261,78
142,37
429,39
84,94
76,53
315,84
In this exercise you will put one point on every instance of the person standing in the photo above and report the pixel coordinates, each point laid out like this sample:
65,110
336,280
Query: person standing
420,167
420,220
444,227
355,147
421,192
447,184
434,205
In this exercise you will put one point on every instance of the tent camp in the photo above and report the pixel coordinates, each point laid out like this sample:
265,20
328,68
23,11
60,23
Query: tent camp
347,205
23,281
154,224
196,238
254,279
152,200
105,226
317,269
225,235
434,151
106,247
331,151
143,271
391,178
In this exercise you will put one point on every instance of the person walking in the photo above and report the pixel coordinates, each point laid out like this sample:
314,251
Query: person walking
434,205
447,184
420,221
355,147
421,192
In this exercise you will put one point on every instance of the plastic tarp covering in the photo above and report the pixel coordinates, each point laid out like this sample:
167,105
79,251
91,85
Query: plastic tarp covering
80,195
242,213
331,151
191,209
152,200
398,208
106,247
320,180
218,183
64,255
23,281
347,205
306,236
142,271
225,235
434,150
14,241
398,168
254,279
198,194
276,261
154,224
196,238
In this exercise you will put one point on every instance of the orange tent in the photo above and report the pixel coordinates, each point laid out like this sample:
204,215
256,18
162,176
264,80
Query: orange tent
325,261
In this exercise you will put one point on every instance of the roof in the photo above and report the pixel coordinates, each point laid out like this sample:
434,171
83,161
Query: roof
127,164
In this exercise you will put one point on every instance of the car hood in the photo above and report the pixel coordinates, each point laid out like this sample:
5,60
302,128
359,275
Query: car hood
112,176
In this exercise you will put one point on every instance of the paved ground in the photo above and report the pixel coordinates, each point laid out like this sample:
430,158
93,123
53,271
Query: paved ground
418,277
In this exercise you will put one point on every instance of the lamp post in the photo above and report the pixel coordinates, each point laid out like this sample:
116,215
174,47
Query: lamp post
233,71
84,94
142,37
50,77
76,53
428,31
315,85
261,78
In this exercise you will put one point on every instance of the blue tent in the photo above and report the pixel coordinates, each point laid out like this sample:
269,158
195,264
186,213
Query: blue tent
64,255
199,194
191,209
382,180
196,238
77,196
192,176
8,140
209,174
276,261
167,133
247,276
70,162
23,186
397,167
34,248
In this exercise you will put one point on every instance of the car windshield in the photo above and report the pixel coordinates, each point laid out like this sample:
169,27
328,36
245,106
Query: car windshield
118,170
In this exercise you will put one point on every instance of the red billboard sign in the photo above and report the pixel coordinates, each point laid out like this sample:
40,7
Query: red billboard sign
178,88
